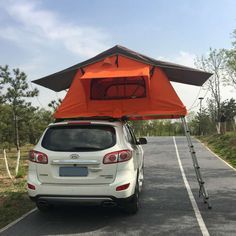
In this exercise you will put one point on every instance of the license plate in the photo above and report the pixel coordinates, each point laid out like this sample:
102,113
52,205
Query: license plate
73,171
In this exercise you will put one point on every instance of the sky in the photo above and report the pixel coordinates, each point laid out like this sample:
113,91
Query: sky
43,37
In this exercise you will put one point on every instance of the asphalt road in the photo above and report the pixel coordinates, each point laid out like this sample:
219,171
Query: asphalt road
166,208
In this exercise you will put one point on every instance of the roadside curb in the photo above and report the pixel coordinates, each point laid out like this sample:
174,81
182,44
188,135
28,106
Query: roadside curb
215,154
17,220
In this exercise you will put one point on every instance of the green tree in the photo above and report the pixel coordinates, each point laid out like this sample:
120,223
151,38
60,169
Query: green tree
6,123
34,123
1,87
200,123
229,108
16,91
140,127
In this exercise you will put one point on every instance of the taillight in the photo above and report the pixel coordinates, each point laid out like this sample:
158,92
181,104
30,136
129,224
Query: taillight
118,156
122,187
31,186
38,157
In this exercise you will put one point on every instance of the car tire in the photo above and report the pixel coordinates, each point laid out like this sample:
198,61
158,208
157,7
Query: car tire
132,206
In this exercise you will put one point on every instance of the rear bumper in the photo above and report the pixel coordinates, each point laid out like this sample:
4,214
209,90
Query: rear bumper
84,200
83,190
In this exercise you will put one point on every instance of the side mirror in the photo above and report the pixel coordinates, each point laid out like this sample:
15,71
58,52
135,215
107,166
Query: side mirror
142,141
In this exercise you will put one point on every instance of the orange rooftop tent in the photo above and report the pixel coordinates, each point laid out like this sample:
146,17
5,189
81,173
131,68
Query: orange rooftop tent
122,83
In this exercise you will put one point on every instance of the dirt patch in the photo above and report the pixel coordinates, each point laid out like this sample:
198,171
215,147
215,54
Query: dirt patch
5,183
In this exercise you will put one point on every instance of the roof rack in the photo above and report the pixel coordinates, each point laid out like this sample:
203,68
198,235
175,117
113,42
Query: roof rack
108,118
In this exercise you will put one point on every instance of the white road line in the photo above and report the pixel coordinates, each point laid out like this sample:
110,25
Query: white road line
216,155
191,197
17,220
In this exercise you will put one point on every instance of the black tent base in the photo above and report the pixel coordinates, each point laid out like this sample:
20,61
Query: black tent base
107,118
202,190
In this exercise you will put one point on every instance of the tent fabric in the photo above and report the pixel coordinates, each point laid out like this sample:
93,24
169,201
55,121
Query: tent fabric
116,72
144,94
177,73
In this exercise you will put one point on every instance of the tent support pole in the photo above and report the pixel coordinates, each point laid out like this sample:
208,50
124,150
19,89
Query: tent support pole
202,190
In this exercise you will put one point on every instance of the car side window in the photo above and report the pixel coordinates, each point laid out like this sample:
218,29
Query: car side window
128,135
125,133
132,134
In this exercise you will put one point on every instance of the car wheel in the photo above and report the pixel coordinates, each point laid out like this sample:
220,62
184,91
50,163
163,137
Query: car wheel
132,206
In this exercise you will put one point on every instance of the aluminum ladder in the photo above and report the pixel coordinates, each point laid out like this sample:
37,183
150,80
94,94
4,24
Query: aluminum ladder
202,190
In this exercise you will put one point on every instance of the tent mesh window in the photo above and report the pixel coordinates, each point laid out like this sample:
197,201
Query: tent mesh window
118,88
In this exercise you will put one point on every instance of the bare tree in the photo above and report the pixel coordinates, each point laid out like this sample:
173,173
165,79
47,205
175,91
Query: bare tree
214,62
54,104
231,63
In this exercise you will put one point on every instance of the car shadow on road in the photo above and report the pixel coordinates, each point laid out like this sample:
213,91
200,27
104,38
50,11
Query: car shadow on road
78,219
156,212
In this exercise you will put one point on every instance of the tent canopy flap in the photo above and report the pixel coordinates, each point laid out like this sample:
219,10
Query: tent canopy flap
116,72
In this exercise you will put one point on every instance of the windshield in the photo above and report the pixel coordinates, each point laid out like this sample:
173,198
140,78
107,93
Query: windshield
71,138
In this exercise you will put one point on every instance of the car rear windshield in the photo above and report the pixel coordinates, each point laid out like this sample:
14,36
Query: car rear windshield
83,138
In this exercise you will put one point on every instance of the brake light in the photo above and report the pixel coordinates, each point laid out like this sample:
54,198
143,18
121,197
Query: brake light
78,123
118,156
122,187
38,157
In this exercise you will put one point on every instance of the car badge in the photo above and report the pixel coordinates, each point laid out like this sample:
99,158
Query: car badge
74,156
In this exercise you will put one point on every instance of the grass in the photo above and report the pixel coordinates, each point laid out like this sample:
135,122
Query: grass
222,145
14,200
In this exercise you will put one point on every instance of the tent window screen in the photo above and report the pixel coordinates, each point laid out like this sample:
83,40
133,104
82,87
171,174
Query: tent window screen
118,88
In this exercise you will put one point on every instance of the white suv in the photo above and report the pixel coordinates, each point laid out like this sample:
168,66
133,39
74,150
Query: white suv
88,162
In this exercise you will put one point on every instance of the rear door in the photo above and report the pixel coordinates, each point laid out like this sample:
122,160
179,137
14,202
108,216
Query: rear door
75,154
138,148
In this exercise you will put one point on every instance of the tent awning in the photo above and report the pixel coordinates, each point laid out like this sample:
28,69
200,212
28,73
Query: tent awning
177,73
